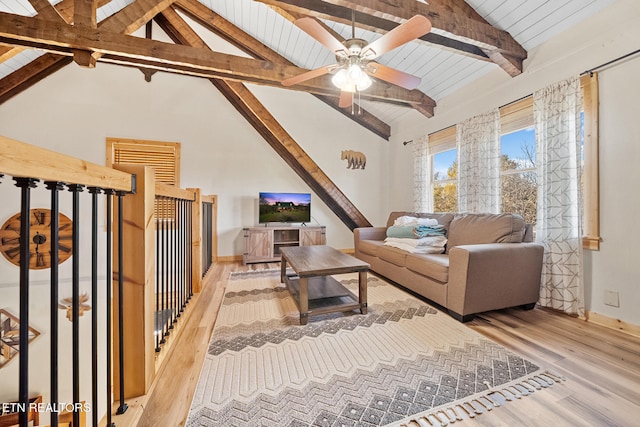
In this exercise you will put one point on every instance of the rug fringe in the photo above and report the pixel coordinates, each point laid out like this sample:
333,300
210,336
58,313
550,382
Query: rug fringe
481,403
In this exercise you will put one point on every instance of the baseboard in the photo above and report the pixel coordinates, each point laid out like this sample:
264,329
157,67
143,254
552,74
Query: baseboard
236,258
617,324
232,258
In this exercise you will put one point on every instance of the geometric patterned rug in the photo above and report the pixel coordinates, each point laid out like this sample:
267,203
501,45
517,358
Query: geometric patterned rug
402,364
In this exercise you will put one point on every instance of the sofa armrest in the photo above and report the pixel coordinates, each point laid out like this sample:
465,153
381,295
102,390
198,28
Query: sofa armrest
367,233
370,233
492,276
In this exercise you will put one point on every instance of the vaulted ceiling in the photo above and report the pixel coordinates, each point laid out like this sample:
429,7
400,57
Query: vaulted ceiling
467,40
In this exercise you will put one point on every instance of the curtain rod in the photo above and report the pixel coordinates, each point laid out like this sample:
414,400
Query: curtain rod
582,74
610,62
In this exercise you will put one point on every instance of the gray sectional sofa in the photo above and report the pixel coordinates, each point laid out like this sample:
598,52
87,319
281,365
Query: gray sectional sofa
490,262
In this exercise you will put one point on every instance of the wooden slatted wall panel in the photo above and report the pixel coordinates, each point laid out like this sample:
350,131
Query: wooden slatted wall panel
164,157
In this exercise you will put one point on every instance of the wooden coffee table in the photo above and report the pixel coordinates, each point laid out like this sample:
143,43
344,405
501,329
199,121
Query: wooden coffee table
312,286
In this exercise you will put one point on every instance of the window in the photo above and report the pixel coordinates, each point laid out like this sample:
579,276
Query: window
518,160
518,168
444,166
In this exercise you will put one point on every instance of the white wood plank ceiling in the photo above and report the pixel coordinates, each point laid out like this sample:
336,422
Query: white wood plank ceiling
530,23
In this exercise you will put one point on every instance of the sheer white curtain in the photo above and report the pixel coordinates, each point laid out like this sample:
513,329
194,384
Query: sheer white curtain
558,134
422,201
478,140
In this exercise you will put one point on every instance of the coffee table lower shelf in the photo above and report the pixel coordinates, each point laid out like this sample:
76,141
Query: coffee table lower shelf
325,295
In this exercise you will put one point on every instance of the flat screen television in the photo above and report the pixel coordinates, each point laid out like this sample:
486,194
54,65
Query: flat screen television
284,207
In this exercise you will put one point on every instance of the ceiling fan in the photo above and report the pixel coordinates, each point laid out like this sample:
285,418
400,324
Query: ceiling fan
355,57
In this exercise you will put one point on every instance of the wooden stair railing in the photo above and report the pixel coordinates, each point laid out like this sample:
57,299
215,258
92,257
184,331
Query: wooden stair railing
31,167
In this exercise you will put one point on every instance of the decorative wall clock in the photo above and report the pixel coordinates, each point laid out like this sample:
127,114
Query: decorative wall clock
10,336
39,240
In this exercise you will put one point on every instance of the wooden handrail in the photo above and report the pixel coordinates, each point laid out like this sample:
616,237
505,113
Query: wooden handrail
209,199
20,159
166,190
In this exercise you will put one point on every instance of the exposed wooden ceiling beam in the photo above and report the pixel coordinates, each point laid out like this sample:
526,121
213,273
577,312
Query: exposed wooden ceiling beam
511,64
30,74
137,13
65,8
7,52
496,43
343,15
45,10
225,29
84,15
128,50
451,30
267,126
134,16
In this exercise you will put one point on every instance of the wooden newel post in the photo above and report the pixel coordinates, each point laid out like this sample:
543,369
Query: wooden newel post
138,289
196,241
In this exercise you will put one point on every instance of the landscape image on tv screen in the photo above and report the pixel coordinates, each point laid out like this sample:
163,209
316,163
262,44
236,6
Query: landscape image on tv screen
285,207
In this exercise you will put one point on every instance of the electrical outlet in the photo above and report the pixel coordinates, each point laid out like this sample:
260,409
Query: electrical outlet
611,298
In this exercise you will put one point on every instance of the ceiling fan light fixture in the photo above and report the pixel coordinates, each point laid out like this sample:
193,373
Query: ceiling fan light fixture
340,78
364,82
355,72
351,79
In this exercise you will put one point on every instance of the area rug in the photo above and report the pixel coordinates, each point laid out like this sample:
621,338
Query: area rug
402,364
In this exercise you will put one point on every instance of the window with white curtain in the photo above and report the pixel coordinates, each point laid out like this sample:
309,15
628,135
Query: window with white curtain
518,175
518,181
444,167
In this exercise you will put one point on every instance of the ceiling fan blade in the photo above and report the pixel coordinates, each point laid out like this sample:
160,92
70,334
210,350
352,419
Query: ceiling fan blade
415,27
391,75
346,99
307,75
318,32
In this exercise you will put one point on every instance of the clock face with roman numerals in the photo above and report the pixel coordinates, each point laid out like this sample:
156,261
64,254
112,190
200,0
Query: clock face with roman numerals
39,241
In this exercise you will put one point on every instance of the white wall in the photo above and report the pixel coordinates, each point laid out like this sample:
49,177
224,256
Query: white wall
612,33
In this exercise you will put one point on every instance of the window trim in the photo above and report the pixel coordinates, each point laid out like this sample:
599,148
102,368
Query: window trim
591,169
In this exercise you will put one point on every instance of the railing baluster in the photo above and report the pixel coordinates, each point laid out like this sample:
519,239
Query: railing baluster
25,184
94,191
54,187
190,253
75,190
165,293
157,325
185,247
172,262
123,406
109,279
179,259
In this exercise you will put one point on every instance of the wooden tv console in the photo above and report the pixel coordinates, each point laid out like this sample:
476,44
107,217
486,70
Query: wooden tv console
262,244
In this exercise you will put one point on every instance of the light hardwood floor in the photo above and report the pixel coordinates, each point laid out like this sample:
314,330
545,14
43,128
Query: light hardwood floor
601,366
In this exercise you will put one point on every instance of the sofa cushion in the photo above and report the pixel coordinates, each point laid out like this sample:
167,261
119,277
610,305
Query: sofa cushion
443,218
370,246
435,266
472,229
393,255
